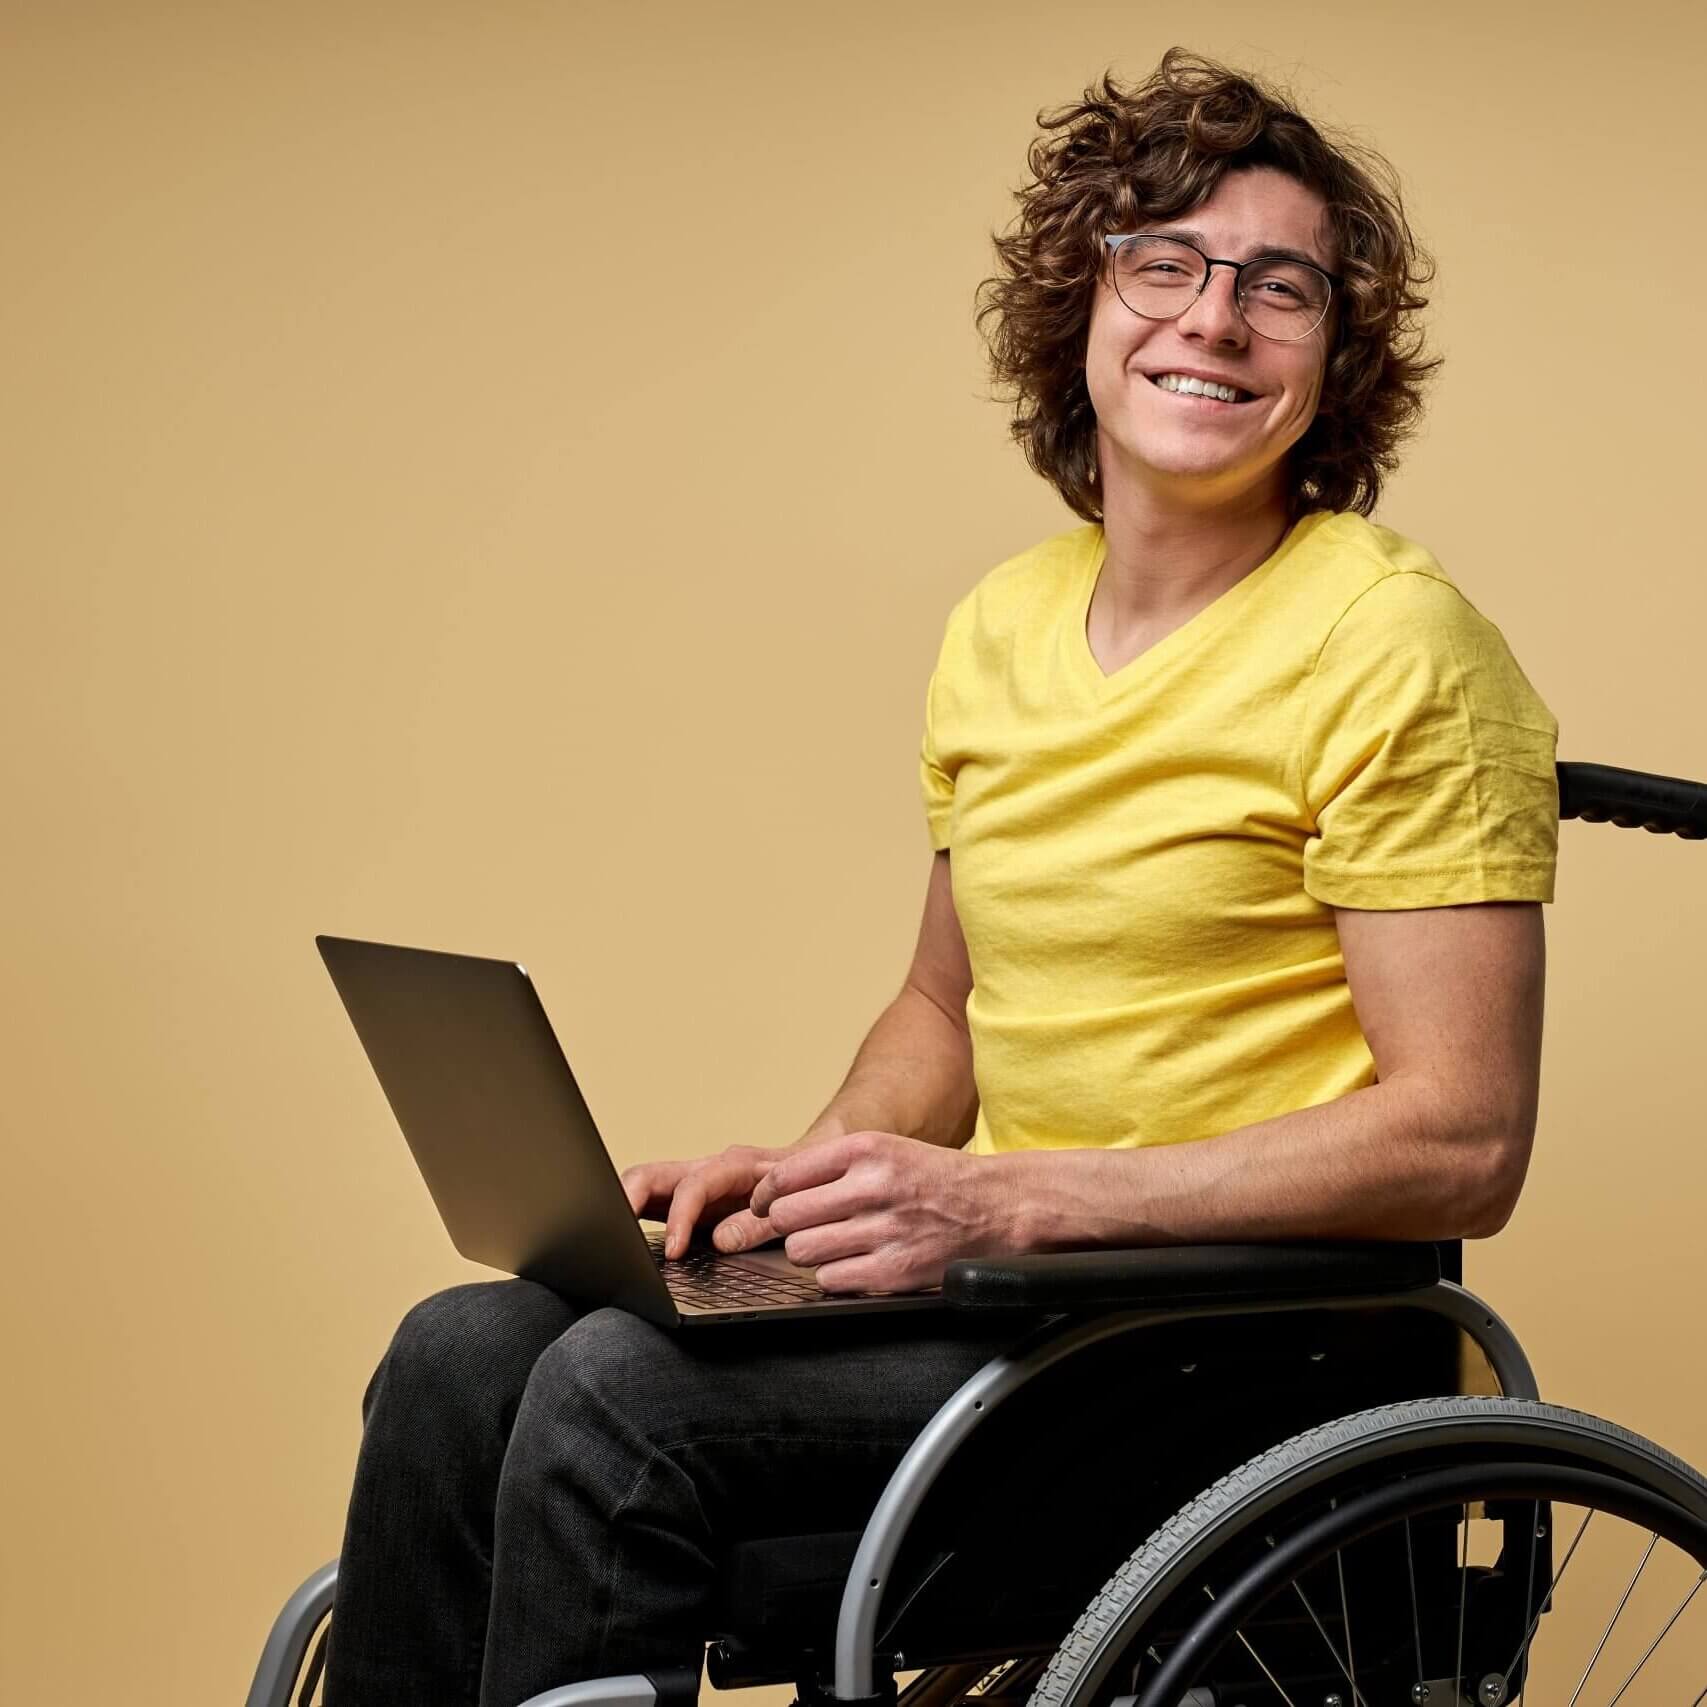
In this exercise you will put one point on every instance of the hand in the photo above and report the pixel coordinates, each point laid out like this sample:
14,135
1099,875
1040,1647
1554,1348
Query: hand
712,1188
876,1212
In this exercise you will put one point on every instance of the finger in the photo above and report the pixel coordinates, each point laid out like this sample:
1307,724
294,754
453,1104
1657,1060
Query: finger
820,1206
837,1241
870,1273
709,1183
637,1188
648,1185
686,1204
742,1231
817,1166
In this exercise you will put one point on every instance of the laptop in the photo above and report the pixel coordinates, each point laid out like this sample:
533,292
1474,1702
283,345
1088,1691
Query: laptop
521,1177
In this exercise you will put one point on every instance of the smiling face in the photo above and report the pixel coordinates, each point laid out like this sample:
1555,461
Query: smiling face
1161,437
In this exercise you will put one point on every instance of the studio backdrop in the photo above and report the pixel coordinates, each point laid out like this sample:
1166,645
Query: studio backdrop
493,477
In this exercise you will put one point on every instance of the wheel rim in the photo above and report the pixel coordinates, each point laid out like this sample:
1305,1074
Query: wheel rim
1231,1611
1203,1592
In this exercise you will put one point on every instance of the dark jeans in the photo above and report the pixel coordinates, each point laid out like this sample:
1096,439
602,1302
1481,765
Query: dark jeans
542,1498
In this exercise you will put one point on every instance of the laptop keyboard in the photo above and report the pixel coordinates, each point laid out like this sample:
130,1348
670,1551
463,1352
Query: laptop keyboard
711,1280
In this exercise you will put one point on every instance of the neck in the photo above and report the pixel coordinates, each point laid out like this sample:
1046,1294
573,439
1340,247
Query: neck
1175,545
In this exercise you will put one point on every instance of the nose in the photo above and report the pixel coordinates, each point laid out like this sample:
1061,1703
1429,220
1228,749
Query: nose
1214,315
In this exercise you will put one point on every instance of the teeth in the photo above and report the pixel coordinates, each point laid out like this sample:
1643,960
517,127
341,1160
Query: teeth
1195,387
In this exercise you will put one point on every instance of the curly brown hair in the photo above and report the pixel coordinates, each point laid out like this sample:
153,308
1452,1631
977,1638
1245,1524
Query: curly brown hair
1125,156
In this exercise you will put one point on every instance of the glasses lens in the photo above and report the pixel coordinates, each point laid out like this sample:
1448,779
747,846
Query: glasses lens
1284,300
1157,277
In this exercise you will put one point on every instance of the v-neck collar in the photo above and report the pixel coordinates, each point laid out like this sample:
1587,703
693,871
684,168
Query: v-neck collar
1192,631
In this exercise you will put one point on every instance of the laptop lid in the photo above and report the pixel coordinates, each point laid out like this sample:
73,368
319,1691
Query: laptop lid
498,1126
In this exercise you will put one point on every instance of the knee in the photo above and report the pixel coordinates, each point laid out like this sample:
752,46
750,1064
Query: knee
481,1337
611,1378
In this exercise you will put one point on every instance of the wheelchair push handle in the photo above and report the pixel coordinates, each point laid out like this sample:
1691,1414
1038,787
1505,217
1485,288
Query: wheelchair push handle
1665,805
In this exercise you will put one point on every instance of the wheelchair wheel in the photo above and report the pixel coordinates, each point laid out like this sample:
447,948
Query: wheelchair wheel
1451,1552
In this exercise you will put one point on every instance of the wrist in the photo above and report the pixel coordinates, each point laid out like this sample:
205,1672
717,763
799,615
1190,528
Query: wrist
825,1126
1066,1200
1015,1219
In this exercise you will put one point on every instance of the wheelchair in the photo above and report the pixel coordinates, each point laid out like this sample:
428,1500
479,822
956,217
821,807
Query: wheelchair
1388,1513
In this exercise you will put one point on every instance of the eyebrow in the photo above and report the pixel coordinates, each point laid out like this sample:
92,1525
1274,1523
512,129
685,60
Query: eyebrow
1264,252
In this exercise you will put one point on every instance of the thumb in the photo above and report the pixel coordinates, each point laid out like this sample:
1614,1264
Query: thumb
741,1231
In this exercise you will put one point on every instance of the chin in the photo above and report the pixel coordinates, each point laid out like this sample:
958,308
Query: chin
1184,464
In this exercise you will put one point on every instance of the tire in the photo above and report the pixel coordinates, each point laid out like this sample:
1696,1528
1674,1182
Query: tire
1338,1474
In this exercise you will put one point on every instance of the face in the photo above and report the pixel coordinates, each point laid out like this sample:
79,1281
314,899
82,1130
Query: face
1218,449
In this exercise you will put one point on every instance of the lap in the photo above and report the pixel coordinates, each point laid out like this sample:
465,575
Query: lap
779,1426
770,1393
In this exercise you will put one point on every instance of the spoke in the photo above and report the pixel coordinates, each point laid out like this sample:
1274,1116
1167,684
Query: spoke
1653,1542
1657,1640
1345,1618
1258,1658
1356,1694
1416,1617
1547,1598
1463,1586
1529,1582
1699,1699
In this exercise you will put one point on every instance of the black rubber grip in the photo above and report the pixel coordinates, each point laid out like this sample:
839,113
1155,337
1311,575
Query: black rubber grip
1604,794
676,1686
1190,1274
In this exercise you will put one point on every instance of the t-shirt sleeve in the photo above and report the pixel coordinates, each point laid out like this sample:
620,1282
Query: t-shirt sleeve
1427,758
935,782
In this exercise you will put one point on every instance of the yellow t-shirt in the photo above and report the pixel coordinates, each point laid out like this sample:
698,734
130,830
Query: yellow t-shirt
1146,864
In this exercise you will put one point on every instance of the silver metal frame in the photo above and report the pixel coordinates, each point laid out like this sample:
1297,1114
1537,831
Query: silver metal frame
1005,1375
632,1691
287,1641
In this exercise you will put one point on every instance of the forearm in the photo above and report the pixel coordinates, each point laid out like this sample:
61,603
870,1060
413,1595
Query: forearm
912,1075
1385,1162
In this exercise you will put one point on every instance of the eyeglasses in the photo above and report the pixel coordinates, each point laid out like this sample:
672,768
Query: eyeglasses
1161,277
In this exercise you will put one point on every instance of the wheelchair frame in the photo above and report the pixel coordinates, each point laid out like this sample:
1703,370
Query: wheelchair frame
1091,1297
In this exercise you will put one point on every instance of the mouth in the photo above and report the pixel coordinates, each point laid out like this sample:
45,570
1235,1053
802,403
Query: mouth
1200,393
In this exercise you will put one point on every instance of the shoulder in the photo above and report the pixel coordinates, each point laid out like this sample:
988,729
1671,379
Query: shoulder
1375,582
1353,556
1397,630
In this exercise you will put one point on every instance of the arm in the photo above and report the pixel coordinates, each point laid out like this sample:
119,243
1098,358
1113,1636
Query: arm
913,1073
1450,1001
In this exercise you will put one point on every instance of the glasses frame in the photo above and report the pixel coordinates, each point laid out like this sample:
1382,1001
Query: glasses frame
1210,263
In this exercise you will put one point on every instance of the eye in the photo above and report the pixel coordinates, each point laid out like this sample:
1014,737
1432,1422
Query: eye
1285,285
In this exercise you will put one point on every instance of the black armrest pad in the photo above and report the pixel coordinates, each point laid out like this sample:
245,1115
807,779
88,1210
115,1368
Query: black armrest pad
1189,1274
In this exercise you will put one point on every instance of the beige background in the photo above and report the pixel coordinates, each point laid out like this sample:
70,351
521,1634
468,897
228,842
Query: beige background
492,477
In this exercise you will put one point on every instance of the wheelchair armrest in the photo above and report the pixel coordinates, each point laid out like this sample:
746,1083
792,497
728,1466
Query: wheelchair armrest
1168,1276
